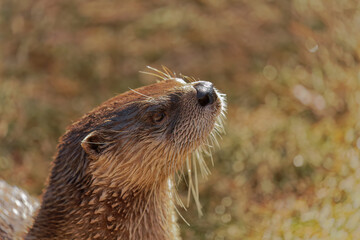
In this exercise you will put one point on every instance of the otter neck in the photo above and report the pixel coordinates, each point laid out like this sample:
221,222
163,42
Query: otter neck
75,206
106,213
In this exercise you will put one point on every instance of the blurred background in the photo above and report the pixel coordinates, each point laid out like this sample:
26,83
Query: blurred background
288,167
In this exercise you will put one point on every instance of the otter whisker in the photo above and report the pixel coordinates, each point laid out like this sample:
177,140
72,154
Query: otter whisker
167,76
140,93
217,133
197,200
172,158
181,216
155,75
182,176
186,78
178,199
214,139
188,165
211,158
205,171
177,158
175,195
170,73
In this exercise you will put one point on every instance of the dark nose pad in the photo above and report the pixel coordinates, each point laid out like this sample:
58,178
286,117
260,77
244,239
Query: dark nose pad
205,93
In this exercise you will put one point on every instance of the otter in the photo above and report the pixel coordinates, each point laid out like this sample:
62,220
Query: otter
112,176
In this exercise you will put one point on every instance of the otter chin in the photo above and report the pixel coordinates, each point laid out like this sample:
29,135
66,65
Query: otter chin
113,174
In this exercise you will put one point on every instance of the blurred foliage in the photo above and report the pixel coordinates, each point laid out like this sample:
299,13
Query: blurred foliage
289,165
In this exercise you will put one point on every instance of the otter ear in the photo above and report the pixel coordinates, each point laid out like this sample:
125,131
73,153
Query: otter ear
93,144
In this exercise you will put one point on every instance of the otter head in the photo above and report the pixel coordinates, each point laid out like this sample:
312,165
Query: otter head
113,170
141,137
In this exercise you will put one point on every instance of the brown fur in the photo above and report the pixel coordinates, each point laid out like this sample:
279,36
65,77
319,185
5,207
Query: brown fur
112,174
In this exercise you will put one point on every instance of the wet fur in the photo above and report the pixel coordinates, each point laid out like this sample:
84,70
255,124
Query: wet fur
113,172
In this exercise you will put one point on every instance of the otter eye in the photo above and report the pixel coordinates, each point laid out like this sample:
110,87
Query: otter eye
158,117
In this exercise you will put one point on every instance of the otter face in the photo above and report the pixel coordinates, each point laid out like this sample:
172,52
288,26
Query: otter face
145,135
183,116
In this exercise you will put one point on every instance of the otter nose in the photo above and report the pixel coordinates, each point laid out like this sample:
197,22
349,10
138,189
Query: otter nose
205,93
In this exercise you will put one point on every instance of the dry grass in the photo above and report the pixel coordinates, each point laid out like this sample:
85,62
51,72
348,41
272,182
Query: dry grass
289,166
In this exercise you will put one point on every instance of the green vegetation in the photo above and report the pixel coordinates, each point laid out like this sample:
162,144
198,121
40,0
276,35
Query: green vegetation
289,165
